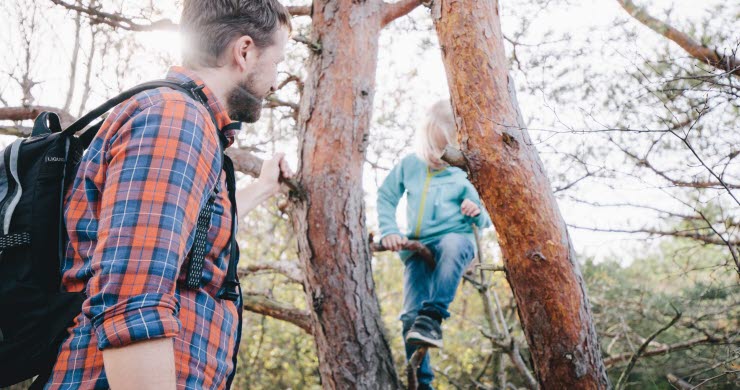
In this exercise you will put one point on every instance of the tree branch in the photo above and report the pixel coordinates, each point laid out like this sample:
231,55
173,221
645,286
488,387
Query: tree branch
455,157
393,11
261,304
642,348
286,268
273,101
17,131
678,383
126,23
410,245
614,360
692,234
314,46
299,10
704,54
73,63
118,21
252,165
31,112
644,162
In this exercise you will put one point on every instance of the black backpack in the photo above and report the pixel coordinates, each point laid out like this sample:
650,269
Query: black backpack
35,173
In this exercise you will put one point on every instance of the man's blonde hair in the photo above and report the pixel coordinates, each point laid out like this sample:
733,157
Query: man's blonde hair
439,120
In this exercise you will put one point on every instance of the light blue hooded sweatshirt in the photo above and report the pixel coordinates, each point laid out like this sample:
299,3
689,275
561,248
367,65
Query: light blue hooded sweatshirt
434,199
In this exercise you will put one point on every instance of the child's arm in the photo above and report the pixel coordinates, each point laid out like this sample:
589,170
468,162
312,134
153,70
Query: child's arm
482,220
389,193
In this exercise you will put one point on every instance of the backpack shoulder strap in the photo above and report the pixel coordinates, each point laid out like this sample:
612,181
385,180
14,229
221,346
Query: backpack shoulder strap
189,88
230,289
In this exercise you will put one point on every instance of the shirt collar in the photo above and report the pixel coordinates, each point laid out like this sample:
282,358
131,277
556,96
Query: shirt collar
184,75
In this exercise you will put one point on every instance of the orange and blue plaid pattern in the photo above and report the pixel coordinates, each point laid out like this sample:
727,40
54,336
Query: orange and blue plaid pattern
131,216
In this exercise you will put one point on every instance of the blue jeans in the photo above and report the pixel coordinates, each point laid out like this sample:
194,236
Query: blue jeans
433,290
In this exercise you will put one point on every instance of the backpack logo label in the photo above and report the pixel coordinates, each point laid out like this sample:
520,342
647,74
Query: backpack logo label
54,159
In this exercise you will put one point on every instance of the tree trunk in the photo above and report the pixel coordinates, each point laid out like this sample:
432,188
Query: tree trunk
505,168
329,220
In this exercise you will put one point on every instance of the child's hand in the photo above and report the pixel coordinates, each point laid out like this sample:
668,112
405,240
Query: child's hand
469,208
394,242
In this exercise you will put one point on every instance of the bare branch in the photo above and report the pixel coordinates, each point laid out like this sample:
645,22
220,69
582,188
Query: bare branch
455,157
614,360
299,10
642,348
704,54
73,62
413,365
86,88
273,101
692,234
118,21
644,162
31,112
18,131
291,79
393,11
252,165
126,23
410,245
314,46
286,268
261,304
678,383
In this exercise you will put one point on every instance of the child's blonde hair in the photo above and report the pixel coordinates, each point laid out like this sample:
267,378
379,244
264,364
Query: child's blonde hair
439,121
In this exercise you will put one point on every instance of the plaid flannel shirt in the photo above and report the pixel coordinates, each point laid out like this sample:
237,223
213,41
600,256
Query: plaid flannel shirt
131,216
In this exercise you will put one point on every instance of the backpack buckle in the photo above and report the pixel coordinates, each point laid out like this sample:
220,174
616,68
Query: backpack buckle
229,291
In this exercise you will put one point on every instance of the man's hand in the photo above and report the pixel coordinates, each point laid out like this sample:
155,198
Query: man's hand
394,242
469,208
271,171
267,185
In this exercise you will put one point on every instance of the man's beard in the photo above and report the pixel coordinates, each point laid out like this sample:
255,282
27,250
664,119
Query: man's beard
244,105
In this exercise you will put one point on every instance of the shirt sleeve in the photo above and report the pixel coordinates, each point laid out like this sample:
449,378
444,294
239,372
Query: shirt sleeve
389,194
160,171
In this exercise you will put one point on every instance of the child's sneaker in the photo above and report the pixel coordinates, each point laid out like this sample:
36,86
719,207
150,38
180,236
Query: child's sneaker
425,331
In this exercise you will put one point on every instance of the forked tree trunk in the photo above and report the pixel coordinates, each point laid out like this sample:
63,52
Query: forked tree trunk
505,168
330,222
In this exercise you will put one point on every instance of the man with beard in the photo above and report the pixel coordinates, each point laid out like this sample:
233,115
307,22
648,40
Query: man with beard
131,213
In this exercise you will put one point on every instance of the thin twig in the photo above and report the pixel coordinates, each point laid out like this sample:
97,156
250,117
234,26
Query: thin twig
633,360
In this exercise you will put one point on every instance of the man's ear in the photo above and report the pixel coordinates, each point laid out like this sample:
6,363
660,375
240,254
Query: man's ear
243,52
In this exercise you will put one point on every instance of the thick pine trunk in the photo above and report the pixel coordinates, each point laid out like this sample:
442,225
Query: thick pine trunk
330,221
505,168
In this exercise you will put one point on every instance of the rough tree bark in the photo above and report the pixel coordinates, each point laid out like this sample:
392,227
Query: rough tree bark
540,262
329,220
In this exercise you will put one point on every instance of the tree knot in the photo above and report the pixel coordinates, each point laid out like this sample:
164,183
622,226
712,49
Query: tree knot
536,256
510,141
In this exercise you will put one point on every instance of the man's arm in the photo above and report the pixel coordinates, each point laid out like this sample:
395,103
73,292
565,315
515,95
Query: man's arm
141,366
483,219
159,173
267,185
